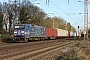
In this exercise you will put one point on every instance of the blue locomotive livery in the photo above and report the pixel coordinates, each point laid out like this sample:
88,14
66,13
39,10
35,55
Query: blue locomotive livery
25,32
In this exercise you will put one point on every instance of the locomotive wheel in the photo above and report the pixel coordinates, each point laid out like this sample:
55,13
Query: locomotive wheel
26,40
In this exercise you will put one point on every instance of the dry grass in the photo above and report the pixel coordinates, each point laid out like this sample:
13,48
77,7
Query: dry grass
80,51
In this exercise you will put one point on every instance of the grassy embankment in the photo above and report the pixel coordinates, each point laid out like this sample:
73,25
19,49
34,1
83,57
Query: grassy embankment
5,37
78,52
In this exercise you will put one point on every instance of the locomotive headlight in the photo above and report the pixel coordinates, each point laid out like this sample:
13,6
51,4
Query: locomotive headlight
15,31
22,31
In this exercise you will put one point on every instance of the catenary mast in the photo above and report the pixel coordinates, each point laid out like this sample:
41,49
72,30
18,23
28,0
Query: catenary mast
86,18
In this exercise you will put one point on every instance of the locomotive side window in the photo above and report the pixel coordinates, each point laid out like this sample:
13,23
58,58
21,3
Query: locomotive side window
16,26
19,27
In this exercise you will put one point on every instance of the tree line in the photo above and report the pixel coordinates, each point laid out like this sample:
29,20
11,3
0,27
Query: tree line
26,12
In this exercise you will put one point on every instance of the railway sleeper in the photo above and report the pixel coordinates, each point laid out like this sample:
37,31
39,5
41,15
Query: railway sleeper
32,54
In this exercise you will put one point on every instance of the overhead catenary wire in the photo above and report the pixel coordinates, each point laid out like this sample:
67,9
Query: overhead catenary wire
60,9
47,6
68,2
48,3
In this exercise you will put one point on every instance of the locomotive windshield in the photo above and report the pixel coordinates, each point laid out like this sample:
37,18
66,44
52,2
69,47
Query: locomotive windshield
19,27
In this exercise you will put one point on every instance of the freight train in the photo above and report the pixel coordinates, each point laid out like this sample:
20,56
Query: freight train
26,32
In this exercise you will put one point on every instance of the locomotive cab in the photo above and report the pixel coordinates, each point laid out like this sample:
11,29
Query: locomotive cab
21,32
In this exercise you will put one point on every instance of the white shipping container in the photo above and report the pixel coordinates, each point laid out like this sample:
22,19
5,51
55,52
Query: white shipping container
64,33
74,34
78,34
61,32
67,33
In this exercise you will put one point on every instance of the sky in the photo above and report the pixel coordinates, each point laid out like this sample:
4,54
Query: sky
67,9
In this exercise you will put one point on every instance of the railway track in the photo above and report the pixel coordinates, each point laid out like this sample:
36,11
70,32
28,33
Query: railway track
30,51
